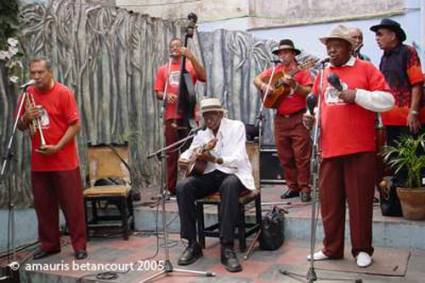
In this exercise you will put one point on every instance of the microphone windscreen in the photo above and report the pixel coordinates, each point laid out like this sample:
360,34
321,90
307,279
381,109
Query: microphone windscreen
311,103
334,80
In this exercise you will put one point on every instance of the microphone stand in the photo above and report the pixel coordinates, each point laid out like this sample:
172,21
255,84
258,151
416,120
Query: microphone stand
259,124
11,206
311,275
168,267
162,117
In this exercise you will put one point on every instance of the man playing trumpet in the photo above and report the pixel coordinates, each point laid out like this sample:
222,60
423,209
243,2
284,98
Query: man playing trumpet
55,173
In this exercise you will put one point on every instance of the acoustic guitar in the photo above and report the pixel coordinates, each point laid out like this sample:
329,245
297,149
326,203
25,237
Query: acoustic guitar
273,98
197,167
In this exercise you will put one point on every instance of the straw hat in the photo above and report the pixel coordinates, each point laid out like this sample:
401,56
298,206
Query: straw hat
211,104
339,32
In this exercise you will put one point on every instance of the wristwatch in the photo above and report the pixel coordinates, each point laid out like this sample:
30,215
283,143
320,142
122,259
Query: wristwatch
414,112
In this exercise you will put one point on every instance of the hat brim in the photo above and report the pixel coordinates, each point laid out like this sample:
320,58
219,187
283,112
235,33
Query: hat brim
213,109
276,51
398,30
325,39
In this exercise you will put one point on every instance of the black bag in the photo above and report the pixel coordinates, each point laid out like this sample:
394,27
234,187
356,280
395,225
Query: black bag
389,202
272,229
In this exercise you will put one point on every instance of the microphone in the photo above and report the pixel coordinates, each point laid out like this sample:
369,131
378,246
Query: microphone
311,103
200,128
334,81
324,61
30,82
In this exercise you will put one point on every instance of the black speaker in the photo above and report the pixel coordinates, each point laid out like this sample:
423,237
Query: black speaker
271,171
9,274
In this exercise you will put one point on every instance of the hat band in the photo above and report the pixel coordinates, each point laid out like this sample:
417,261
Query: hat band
286,47
211,108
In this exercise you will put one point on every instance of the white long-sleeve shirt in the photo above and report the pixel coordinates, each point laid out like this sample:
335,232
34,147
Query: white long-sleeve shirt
230,146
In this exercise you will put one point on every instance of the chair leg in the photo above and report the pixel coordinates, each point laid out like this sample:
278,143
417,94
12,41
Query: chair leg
201,224
258,215
131,212
87,219
241,228
94,210
124,217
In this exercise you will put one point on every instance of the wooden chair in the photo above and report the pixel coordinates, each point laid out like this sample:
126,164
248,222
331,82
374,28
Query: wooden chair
108,163
244,228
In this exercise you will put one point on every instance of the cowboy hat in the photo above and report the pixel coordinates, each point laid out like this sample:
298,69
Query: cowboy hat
391,25
286,44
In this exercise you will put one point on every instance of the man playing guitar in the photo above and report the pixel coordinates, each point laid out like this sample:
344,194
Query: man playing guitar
227,171
292,140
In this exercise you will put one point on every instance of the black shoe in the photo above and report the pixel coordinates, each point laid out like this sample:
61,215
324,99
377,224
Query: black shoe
289,194
192,252
305,196
42,254
80,254
230,260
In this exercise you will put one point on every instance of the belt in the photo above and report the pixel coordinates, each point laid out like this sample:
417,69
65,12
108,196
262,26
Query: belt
292,114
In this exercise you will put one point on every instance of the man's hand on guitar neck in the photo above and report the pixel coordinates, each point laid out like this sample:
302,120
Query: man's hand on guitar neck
263,88
289,80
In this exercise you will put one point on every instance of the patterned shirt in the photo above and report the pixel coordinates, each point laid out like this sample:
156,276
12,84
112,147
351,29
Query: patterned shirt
402,70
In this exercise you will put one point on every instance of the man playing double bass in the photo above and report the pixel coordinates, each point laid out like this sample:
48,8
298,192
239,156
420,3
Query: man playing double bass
292,139
167,84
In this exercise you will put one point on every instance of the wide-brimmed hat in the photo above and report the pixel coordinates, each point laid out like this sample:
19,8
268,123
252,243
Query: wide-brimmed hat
391,25
286,44
339,32
211,104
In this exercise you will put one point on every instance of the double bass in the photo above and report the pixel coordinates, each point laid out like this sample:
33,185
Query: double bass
187,97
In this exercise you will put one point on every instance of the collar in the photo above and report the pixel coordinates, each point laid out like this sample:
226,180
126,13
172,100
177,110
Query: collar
220,128
395,50
349,63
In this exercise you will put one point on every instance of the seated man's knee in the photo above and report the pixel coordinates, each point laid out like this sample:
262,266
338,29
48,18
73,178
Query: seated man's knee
230,183
183,186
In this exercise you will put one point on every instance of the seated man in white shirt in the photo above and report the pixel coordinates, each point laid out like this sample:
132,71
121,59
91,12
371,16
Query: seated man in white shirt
227,171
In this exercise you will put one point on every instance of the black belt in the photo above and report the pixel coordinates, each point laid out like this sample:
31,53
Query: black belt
292,114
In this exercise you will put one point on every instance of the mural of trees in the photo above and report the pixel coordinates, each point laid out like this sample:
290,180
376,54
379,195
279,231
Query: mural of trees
109,57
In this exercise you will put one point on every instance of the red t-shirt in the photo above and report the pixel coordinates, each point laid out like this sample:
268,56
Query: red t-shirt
348,128
173,85
59,112
295,101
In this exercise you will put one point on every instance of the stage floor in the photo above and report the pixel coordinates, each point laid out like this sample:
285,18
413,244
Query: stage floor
399,252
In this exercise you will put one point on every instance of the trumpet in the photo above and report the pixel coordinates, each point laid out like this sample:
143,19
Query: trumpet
35,124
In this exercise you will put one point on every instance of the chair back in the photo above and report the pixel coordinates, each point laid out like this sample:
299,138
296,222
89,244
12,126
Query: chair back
253,151
105,162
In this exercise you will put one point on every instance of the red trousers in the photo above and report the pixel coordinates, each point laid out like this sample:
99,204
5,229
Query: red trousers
174,131
351,179
293,146
54,189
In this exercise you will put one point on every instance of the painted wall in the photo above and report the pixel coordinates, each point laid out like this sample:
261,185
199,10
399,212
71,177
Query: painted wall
306,37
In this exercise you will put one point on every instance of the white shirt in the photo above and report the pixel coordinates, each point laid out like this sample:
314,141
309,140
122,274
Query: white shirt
230,146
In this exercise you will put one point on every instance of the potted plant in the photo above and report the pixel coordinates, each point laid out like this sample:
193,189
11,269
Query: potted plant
408,154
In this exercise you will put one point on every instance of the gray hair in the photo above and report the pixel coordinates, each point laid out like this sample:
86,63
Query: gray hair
44,59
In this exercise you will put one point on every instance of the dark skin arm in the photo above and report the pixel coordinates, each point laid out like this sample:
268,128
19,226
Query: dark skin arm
413,117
